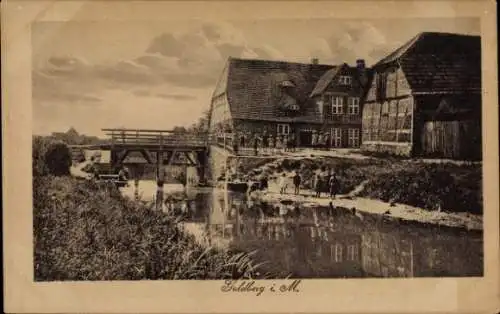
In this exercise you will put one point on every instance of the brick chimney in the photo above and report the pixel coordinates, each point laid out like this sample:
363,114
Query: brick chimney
360,64
314,60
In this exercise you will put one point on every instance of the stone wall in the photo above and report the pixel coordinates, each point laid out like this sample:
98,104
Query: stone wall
217,163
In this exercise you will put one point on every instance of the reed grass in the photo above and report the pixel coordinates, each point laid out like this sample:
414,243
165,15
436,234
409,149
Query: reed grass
86,232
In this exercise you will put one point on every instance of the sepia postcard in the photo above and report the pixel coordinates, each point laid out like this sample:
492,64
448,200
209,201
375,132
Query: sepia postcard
239,156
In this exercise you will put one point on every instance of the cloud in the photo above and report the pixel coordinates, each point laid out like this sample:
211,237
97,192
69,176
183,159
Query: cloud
193,59
147,93
175,96
358,40
196,58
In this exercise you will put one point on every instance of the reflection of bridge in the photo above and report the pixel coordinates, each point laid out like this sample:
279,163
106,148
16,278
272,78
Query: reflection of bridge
155,146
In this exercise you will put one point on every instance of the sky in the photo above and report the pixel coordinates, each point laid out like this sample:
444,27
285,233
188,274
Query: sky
160,74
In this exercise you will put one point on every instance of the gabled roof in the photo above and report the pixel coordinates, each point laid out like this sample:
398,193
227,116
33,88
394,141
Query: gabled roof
253,89
325,80
439,62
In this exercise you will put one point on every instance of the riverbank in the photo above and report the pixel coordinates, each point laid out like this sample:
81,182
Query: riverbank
433,193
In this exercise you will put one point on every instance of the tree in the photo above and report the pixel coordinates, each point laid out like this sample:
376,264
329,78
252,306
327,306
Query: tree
179,129
58,159
40,146
201,125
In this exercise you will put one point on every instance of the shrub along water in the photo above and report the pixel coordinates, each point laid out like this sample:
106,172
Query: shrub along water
84,232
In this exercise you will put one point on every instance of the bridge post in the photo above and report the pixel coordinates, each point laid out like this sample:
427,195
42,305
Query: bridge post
159,182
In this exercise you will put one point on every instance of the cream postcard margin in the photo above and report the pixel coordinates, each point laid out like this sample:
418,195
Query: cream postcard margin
22,294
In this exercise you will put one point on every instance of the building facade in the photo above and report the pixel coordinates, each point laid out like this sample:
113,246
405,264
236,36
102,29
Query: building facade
339,95
425,99
296,100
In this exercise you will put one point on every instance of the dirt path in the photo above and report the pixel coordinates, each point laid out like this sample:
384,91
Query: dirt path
374,206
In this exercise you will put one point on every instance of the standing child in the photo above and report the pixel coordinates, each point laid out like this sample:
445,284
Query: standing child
332,184
296,183
282,184
318,184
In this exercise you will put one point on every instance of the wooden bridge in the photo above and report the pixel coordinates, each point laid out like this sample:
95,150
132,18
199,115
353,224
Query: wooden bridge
155,146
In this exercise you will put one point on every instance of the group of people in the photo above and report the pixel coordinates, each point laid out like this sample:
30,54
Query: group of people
296,180
265,142
321,140
322,182
328,182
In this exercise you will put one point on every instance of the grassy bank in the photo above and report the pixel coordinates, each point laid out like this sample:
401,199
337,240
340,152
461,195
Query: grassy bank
83,232
456,188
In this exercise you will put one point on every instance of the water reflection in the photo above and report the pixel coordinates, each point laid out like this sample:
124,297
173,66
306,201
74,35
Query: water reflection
328,242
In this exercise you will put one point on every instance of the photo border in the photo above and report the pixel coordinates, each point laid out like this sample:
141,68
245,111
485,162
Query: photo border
22,294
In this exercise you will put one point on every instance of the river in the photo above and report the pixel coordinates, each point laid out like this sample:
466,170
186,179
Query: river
297,242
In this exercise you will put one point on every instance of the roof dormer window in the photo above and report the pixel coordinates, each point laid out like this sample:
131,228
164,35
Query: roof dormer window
345,80
287,84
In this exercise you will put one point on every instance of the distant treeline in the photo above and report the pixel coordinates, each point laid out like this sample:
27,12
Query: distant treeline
72,137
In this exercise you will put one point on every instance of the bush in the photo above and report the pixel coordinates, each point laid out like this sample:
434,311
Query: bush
39,149
58,159
428,186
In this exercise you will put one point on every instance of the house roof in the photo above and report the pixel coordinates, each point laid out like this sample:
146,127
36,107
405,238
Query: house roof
325,80
253,89
439,62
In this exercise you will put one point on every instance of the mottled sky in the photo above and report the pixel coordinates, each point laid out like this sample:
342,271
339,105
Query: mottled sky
92,75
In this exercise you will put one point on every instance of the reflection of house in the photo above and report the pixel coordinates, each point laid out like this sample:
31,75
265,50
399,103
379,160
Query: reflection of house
253,96
425,99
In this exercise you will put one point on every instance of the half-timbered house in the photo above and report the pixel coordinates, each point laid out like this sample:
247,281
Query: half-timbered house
425,99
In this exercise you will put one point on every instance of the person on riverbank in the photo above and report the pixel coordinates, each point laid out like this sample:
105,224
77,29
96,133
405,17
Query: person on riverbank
283,184
263,183
318,184
296,183
333,185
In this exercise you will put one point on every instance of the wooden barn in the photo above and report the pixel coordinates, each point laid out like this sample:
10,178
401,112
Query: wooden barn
256,97
425,99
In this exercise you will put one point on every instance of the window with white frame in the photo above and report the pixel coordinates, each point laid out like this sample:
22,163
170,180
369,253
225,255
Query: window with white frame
352,252
338,253
345,80
337,104
353,137
336,137
353,105
283,128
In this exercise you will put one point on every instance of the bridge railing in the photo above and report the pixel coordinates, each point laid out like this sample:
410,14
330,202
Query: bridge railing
155,137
